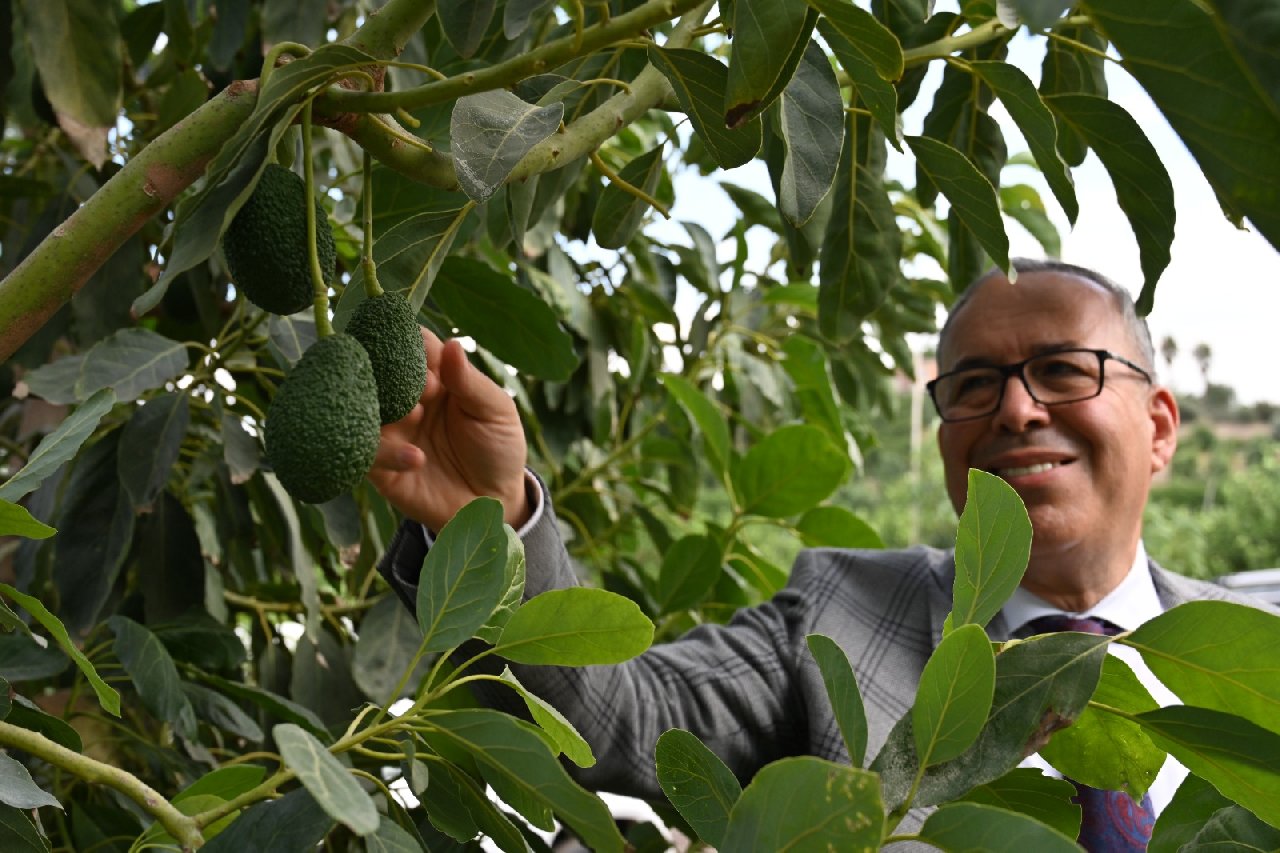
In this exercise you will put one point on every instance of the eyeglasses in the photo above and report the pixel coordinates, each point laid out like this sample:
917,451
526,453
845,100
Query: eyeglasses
1051,378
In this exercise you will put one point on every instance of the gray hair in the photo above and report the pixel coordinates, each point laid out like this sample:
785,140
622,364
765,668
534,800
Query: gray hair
1139,333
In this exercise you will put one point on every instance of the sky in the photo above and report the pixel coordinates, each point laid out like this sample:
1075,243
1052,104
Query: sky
1222,286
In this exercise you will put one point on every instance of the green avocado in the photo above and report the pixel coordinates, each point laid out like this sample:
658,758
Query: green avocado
266,244
387,327
322,426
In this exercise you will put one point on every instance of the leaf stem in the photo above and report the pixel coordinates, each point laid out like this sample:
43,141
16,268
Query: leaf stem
943,47
628,188
185,829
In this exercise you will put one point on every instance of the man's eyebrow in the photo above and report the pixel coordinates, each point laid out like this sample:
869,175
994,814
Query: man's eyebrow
1038,349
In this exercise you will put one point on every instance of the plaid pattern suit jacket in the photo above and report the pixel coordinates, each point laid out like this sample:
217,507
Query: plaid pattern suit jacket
750,689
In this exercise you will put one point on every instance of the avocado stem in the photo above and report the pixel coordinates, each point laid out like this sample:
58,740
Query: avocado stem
372,288
324,328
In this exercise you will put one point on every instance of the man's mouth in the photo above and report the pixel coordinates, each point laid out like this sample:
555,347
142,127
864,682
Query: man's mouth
1024,470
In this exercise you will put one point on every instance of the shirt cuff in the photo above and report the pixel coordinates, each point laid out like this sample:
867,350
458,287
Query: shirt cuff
532,493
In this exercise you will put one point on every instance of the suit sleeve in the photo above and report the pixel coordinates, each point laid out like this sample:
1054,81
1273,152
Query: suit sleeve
732,685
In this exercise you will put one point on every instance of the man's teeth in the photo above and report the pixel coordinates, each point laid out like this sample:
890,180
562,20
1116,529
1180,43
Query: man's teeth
1027,469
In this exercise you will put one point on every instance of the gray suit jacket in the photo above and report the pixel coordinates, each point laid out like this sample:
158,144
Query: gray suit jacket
750,690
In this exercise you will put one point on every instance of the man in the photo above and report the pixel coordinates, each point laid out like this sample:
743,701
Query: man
1047,383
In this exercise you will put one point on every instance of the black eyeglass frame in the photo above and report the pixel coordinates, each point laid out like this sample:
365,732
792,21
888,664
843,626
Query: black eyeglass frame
1017,369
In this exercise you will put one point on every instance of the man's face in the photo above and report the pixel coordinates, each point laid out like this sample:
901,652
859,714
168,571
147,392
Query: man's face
1083,469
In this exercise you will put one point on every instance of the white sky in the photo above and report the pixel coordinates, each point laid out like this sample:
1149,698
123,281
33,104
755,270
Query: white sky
1222,286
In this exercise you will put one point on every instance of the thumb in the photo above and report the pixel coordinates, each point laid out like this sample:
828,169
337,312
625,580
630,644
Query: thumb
476,394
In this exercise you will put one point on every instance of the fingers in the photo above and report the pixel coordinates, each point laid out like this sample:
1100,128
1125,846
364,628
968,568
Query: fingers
397,455
476,394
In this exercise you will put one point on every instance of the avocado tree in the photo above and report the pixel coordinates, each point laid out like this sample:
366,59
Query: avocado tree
200,657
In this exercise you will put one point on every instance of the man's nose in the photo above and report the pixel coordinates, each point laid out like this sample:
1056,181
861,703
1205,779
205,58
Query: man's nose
1018,410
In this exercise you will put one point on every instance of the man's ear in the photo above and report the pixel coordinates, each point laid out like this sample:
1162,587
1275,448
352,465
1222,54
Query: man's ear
1164,420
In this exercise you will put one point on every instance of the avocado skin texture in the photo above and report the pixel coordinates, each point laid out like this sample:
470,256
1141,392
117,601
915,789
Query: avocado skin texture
322,426
387,327
266,244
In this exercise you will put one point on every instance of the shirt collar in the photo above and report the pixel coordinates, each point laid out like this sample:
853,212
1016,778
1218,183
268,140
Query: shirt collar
1130,604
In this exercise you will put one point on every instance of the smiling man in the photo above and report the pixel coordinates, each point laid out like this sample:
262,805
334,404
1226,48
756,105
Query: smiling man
1048,383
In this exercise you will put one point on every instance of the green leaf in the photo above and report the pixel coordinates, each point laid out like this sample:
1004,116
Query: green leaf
972,197
24,659
490,132
108,698
564,736
131,362
1236,829
699,82
1076,63
1042,684
153,674
842,691
388,642
1192,805
954,696
58,446
465,22
76,47
877,94
993,543
293,822
515,575
970,826
575,627
1143,189
1106,751
874,40
806,803
788,471
273,704
390,838
1216,654
618,214
507,320
769,37
690,569
515,756
463,577
697,783
225,783
149,445
18,834
1022,204
17,788
710,422
16,521
1028,111
218,710
1026,790
458,807
28,715
333,787
836,527
1240,759
289,337
811,123
239,449
1225,105
516,15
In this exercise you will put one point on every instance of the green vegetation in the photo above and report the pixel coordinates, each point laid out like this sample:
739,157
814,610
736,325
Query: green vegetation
322,427
265,245
388,328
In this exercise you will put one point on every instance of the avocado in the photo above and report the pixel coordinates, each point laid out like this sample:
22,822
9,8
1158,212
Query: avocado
266,244
387,327
322,425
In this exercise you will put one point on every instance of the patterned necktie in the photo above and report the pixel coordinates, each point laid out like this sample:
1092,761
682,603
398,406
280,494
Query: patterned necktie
1110,821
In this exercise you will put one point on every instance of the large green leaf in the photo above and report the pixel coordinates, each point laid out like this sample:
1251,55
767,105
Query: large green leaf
876,93
1241,759
1192,805
28,715
1106,751
389,639
491,630
1225,105
464,23
514,753
225,783
18,834
710,422
619,213
1074,63
16,521
954,696
993,543
690,568
811,122
842,691
807,804
76,46
295,822
272,703
699,83
565,737
1028,791
59,446
575,627
131,362
697,783
390,838
788,471
458,807
17,789
408,257
149,445
1042,684
1236,829
1143,188
505,319
836,527
333,787
1216,654
490,132
769,37
972,826
1033,118
972,197
220,711
153,673
463,577
872,38
107,695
